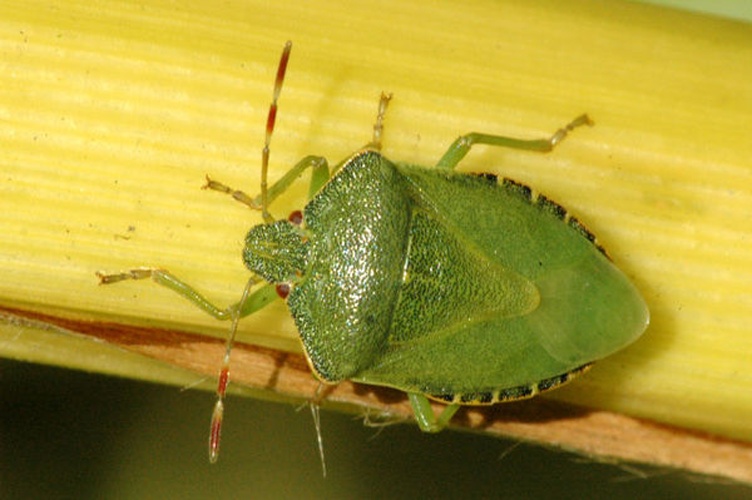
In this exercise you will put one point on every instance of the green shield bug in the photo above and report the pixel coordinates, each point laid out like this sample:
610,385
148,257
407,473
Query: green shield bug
461,288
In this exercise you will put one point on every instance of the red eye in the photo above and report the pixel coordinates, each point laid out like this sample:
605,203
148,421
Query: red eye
296,217
283,290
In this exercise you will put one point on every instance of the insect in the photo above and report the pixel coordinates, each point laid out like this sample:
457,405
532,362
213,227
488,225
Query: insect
461,288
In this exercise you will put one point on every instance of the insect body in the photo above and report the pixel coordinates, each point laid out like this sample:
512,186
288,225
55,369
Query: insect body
457,287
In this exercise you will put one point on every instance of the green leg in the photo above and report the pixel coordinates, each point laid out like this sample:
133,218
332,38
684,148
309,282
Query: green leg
427,420
378,127
462,145
252,303
318,165
319,175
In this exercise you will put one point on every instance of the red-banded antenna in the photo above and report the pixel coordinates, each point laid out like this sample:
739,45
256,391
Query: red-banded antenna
270,121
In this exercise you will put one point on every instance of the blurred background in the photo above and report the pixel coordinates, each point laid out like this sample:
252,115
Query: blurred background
68,434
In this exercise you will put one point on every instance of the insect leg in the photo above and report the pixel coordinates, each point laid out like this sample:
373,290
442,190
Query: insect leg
378,127
251,303
426,418
319,175
462,145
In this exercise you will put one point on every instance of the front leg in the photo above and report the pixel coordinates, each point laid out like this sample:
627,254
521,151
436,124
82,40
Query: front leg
319,176
250,303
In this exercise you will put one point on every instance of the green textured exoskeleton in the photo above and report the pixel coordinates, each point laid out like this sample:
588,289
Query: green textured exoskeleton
462,288
449,285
